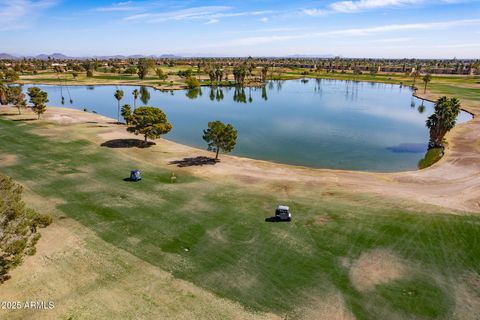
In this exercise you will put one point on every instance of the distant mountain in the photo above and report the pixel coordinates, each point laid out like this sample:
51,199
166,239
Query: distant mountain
61,56
169,56
6,56
57,56
306,56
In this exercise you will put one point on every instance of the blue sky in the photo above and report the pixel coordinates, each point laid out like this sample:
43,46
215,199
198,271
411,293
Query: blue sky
357,28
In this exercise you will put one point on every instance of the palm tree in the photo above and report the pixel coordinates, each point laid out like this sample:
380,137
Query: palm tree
426,79
119,96
443,120
135,93
3,94
415,75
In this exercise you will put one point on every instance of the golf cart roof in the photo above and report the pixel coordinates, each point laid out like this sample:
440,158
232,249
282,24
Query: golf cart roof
283,208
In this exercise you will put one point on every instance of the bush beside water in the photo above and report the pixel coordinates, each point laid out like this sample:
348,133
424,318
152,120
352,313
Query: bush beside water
431,157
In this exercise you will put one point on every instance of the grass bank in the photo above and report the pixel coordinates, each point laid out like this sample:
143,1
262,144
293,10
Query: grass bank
373,257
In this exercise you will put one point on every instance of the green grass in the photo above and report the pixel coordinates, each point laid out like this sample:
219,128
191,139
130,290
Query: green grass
418,296
456,91
214,234
431,157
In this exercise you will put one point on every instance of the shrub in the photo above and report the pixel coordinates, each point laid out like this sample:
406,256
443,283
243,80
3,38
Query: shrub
18,227
192,83
431,157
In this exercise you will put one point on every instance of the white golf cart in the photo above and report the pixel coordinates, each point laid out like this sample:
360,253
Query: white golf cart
282,213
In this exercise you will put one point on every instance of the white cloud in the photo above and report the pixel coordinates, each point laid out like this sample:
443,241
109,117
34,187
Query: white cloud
314,12
354,6
121,7
212,21
211,14
18,14
357,32
264,19
394,40
183,14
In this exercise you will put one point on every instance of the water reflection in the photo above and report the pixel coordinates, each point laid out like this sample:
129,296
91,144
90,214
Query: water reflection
193,93
322,123
239,95
421,108
264,93
144,95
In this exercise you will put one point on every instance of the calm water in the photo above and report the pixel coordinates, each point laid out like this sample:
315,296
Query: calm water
317,123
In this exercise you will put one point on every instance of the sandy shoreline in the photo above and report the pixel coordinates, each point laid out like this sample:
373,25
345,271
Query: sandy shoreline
453,182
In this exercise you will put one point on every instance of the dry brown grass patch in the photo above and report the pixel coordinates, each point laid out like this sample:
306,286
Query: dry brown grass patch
376,267
331,307
8,160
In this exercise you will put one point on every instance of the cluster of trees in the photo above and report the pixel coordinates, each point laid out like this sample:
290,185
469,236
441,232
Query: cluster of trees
213,67
9,76
215,73
152,123
119,94
239,74
14,95
185,73
18,227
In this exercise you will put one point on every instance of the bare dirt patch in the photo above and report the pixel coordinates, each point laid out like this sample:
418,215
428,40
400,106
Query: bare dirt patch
321,220
331,307
217,235
7,160
376,267
467,297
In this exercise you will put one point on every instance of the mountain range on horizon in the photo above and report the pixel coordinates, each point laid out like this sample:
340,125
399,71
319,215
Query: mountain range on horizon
61,56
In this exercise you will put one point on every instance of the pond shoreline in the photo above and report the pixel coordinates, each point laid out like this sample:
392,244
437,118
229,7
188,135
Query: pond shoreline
453,182
354,149
185,87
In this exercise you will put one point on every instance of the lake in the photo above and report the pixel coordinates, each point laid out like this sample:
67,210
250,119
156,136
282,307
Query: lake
310,122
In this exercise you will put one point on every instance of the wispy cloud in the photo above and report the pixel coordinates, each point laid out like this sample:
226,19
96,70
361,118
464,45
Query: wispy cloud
356,31
19,14
121,7
212,21
210,14
394,40
191,13
363,5
354,6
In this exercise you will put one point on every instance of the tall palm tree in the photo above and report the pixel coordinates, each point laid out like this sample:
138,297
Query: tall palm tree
119,96
443,120
3,93
135,93
415,75
426,79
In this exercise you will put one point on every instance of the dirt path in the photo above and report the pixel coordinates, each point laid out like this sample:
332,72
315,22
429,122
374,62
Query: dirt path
453,182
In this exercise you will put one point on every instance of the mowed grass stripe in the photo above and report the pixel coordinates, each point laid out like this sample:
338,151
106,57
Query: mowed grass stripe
226,247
